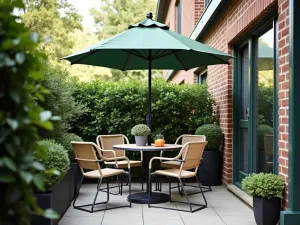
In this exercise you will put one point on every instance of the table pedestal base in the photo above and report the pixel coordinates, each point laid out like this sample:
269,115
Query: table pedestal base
155,198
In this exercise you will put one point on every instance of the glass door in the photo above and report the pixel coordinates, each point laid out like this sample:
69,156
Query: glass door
255,105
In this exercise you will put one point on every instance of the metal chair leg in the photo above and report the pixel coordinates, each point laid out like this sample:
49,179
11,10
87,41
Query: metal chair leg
77,192
149,189
201,191
143,178
170,189
129,181
186,196
99,184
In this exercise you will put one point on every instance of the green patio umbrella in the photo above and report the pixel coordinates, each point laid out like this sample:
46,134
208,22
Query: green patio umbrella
149,45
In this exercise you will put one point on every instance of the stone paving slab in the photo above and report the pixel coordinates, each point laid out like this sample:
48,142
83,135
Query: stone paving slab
224,208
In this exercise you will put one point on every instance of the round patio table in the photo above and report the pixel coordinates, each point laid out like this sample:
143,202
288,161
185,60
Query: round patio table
142,197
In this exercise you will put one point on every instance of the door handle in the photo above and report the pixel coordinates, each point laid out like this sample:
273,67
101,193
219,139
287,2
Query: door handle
247,112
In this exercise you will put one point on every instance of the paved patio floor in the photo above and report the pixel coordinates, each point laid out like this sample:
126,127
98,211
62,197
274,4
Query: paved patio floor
224,208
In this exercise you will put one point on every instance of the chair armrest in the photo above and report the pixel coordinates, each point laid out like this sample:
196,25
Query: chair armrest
162,158
118,158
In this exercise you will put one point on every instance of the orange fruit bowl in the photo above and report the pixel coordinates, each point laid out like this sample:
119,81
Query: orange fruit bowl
159,142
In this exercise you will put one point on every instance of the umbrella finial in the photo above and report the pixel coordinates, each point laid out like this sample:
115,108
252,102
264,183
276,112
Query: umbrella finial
149,15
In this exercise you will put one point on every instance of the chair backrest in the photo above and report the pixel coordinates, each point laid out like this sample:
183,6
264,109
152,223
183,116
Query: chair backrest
86,156
192,154
188,138
106,142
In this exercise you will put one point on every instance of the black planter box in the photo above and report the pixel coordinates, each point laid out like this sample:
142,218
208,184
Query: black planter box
75,181
58,199
210,169
266,211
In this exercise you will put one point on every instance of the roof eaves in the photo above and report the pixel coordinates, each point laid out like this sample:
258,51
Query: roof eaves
203,23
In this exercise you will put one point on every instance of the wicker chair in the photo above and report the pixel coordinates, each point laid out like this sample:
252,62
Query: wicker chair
189,160
176,165
89,165
105,144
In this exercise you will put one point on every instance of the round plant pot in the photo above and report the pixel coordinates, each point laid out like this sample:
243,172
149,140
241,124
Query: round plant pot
210,169
141,140
266,211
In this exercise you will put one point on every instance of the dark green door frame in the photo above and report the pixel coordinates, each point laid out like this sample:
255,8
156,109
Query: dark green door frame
251,40
292,215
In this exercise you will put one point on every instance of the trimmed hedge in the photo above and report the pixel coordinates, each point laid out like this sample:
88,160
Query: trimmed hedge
119,106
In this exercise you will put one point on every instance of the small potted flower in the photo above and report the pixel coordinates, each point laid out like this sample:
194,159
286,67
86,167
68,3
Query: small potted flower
141,132
266,189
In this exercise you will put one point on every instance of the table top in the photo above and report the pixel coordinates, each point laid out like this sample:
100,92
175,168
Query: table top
134,147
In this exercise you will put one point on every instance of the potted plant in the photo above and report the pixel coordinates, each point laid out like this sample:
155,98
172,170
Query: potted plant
141,132
210,170
57,186
65,140
266,189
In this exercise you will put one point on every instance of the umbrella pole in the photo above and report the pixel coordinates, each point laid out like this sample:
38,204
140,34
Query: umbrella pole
149,116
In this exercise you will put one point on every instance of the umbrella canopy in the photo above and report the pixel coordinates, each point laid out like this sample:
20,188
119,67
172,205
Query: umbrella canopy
149,45
149,40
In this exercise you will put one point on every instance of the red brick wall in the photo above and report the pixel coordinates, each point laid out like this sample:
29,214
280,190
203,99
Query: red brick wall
230,26
283,90
198,10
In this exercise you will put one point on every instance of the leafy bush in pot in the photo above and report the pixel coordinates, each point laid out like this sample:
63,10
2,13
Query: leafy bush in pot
56,157
65,141
262,130
264,185
213,135
140,130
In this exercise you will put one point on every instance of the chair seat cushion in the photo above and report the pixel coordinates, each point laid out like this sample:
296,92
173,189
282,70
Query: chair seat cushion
170,164
175,173
124,164
106,172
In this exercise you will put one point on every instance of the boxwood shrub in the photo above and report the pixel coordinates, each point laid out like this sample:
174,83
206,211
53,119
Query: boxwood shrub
116,107
264,185
213,135
56,158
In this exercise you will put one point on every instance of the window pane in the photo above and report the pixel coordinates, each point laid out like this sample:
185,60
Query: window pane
265,101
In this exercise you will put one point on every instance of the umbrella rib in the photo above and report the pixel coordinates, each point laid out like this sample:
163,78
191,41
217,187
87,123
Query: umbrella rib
92,51
127,59
145,53
179,60
170,53
156,54
219,58
134,53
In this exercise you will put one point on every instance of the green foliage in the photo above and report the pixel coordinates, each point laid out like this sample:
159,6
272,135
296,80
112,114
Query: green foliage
55,20
141,130
65,141
262,130
115,107
60,101
213,135
114,17
56,157
265,104
264,185
20,116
